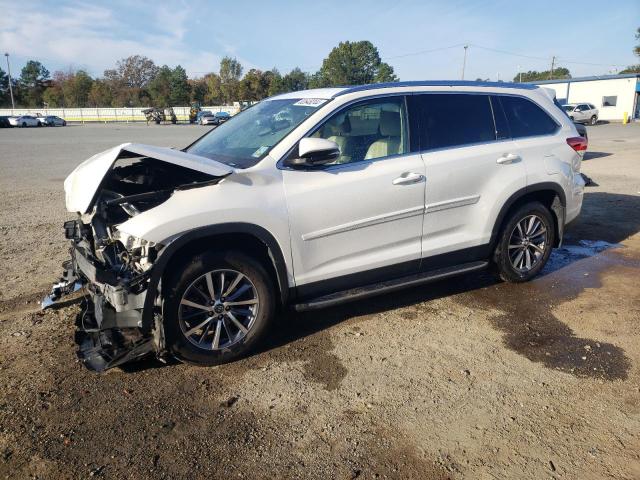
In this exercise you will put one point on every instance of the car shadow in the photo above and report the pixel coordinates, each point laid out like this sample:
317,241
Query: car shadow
593,155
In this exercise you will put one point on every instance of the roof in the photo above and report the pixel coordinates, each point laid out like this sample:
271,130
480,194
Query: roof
327,93
434,83
587,79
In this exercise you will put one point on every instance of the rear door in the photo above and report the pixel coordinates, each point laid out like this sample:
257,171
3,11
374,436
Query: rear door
471,165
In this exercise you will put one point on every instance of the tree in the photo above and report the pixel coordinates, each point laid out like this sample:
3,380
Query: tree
353,63
198,88
4,88
180,89
32,79
631,69
274,80
535,76
76,88
100,94
230,74
636,49
130,79
160,87
214,89
295,80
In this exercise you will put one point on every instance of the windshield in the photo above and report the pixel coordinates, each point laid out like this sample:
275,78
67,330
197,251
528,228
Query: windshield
247,137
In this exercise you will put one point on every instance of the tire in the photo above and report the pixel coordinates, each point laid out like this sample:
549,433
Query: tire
594,120
39,124
510,265
233,343
571,118
24,124
64,124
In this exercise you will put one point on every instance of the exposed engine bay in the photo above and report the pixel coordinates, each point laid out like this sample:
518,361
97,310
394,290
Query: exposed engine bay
114,268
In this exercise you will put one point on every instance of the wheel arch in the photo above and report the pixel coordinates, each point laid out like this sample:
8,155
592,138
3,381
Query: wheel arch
548,193
248,238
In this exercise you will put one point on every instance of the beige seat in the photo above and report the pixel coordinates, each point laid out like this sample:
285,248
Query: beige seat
340,135
391,141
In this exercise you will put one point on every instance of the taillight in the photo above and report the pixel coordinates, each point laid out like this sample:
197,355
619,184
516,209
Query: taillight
579,144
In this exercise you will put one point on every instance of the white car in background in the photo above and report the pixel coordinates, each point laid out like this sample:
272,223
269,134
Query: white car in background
24,121
52,121
582,112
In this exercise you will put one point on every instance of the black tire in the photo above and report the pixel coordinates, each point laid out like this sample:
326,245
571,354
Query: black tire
594,120
39,124
64,124
178,343
24,124
503,258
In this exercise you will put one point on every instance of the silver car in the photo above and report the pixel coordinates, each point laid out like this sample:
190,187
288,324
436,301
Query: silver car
24,121
52,121
582,112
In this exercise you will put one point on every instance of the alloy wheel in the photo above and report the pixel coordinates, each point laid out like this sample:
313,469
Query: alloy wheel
218,309
528,243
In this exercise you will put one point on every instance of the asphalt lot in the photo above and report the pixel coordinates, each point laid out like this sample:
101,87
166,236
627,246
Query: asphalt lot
468,378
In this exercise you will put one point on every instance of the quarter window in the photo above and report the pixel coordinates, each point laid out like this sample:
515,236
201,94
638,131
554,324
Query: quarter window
526,119
369,130
450,120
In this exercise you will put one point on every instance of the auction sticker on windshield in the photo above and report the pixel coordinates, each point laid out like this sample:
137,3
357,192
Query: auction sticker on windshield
309,102
260,151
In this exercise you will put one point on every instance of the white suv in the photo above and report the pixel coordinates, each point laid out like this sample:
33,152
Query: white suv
309,199
582,112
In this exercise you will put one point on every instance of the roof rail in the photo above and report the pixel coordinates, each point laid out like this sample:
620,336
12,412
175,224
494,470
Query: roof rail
434,83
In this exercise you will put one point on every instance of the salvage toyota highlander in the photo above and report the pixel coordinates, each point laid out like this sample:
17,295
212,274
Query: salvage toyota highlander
310,199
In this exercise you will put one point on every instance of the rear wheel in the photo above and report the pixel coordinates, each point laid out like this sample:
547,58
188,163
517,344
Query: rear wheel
24,124
218,308
593,120
525,243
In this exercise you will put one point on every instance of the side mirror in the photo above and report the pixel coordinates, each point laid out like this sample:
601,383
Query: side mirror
313,152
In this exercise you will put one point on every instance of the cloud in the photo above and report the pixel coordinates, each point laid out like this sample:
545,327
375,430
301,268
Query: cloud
94,37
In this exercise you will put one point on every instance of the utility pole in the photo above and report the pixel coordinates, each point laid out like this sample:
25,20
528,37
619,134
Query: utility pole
464,61
13,105
519,75
553,63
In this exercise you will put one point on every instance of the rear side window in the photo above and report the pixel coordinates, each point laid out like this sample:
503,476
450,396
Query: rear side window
526,119
450,120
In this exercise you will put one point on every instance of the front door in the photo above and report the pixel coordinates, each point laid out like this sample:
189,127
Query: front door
358,220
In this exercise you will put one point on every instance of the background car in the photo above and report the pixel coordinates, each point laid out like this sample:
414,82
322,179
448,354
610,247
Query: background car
52,121
208,119
24,121
582,112
4,122
202,113
221,117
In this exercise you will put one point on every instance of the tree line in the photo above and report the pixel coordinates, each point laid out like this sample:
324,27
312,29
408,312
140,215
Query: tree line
137,81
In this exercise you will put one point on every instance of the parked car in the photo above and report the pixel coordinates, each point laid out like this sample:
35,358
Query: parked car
221,117
208,119
52,121
4,122
24,121
202,113
582,112
309,199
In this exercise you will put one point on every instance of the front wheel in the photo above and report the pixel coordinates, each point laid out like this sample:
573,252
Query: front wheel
594,120
218,308
525,243
24,124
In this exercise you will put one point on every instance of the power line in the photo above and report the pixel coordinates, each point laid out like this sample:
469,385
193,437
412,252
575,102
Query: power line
422,52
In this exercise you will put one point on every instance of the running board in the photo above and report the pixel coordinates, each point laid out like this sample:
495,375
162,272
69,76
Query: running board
389,286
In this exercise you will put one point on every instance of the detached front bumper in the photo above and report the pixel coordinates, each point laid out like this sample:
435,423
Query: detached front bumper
109,326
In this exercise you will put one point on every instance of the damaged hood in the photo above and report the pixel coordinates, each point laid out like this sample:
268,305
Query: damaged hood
81,185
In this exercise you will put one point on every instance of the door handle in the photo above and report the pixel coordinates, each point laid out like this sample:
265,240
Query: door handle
408,178
508,158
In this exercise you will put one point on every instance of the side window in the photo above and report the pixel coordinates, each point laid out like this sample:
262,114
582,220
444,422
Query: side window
369,130
609,101
526,119
502,126
451,119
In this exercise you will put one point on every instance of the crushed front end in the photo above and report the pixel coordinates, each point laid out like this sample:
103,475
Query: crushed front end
116,323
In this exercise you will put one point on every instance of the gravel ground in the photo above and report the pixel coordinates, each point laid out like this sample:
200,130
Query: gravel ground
468,378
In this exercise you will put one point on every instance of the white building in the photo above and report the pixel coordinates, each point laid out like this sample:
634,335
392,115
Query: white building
613,95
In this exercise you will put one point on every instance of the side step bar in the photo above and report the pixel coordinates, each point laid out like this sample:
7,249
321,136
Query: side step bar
389,286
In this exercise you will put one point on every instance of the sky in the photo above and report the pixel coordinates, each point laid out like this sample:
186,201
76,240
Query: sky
420,39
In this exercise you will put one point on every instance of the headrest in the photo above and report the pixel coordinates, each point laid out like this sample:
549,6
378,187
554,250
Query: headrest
389,124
